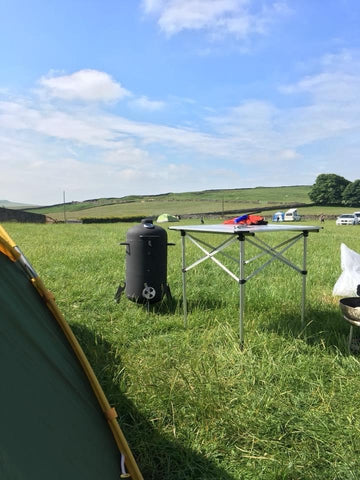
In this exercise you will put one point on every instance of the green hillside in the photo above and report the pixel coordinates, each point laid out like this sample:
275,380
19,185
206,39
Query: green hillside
181,203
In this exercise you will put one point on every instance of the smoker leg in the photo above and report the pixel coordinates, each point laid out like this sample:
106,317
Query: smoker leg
119,292
168,292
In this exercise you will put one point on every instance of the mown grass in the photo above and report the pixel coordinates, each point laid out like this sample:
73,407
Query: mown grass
191,403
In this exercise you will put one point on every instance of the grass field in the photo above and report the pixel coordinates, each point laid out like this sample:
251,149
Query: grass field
191,403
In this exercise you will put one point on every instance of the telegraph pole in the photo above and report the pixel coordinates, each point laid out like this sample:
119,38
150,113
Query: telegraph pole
64,206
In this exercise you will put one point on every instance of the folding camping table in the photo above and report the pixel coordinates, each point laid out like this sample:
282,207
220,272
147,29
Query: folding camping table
243,234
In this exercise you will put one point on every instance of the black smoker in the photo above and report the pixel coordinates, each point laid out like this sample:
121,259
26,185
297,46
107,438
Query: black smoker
146,263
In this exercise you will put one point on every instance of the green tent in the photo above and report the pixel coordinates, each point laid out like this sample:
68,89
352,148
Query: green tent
166,217
56,422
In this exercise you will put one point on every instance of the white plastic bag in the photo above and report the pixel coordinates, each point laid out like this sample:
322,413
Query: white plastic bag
349,279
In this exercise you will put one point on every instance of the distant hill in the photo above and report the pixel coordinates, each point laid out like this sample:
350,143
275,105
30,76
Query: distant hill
282,194
183,203
15,205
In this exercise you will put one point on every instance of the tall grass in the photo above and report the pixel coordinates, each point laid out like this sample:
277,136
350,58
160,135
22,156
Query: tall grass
191,403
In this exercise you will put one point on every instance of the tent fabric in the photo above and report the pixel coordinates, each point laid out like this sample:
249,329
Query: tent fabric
278,217
166,217
247,219
53,412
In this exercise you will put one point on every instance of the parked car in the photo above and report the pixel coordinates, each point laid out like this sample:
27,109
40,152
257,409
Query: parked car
347,219
292,215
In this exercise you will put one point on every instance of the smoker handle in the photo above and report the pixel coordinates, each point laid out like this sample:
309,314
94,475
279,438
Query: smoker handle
149,236
171,244
124,243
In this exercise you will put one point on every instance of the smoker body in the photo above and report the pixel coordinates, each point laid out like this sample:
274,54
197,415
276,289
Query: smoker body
146,263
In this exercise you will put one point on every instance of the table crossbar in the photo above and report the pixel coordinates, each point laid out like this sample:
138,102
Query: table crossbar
276,254
211,255
241,236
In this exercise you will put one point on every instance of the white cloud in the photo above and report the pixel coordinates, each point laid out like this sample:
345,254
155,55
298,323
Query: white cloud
126,154
289,154
85,85
143,103
251,131
93,153
51,122
240,18
324,87
331,105
102,130
338,80
39,174
151,6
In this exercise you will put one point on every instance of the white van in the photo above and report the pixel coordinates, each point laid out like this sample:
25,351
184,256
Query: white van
292,215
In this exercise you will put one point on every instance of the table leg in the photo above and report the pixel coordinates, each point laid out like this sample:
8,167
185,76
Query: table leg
183,234
242,289
304,273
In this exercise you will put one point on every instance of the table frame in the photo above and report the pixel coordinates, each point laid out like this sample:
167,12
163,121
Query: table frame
243,234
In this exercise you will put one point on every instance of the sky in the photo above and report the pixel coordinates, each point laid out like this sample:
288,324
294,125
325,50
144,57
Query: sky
107,98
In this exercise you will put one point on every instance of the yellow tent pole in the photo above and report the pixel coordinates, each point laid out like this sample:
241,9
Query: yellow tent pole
7,245
6,237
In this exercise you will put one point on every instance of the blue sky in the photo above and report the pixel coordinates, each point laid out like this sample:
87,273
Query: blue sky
115,97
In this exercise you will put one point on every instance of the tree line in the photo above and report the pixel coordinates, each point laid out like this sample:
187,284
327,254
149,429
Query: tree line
331,189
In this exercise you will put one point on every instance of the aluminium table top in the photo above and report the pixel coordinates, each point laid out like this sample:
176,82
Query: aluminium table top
247,229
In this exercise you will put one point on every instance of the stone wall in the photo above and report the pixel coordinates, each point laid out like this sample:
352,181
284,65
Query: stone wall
10,215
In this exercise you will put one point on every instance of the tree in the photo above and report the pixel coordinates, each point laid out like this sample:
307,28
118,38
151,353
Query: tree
328,189
351,194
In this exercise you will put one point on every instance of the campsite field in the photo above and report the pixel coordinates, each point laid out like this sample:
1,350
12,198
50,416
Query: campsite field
191,403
